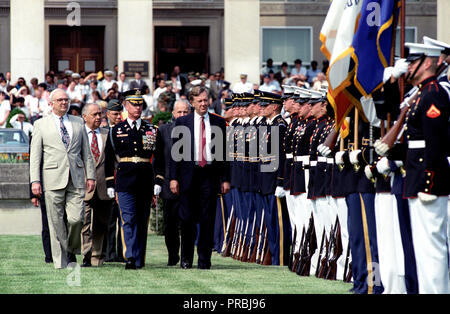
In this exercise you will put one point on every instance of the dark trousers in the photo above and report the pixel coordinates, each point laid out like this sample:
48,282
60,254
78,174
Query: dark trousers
198,205
112,247
45,232
363,243
171,227
411,283
134,213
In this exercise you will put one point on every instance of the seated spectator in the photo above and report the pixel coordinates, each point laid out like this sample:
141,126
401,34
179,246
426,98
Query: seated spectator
283,74
274,82
168,96
161,83
319,81
33,86
74,95
38,106
267,67
24,92
18,120
44,93
267,86
49,82
298,69
312,73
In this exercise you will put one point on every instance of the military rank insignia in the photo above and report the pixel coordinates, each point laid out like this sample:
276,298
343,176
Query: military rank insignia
433,112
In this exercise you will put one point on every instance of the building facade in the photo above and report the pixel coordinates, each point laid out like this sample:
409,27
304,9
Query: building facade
198,35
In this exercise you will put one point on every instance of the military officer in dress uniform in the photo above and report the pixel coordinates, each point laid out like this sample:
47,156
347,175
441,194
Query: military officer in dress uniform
427,169
134,141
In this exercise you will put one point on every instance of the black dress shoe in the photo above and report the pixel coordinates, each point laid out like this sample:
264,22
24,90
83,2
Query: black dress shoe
186,265
71,258
204,266
86,262
130,264
173,261
48,260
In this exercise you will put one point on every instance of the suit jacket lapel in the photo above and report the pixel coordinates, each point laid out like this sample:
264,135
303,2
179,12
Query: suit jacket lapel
57,131
104,135
191,126
74,132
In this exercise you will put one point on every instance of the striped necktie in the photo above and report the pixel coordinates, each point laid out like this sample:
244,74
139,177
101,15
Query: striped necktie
94,146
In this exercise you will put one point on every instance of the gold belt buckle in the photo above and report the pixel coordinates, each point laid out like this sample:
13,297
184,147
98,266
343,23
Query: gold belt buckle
135,159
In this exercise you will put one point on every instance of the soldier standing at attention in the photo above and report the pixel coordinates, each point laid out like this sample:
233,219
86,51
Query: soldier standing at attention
134,141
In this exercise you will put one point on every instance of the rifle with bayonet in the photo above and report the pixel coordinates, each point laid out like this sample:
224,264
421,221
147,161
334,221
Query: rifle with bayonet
263,248
291,255
235,237
336,250
259,236
244,240
308,249
267,260
324,262
248,248
347,267
228,234
321,258
297,254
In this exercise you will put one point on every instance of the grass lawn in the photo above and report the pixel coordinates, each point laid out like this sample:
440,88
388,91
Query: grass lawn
23,270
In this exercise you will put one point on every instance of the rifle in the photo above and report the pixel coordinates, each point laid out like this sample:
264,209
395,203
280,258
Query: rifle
320,259
261,232
297,254
393,133
235,238
227,251
291,255
243,245
347,267
247,252
331,139
309,246
337,252
267,260
228,231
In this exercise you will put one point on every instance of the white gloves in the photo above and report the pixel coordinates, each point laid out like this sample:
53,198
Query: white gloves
338,158
156,190
426,198
354,156
387,74
325,151
383,166
110,192
381,148
280,192
368,172
400,68
398,163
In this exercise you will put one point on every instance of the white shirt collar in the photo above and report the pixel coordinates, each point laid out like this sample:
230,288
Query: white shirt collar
97,130
65,117
197,116
138,123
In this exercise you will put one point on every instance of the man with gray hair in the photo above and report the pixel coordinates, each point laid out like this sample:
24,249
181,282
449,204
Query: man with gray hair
61,146
97,203
170,200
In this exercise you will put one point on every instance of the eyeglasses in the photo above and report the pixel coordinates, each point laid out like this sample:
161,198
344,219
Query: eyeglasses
62,100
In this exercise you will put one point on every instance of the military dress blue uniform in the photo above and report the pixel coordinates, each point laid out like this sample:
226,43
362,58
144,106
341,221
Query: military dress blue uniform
134,181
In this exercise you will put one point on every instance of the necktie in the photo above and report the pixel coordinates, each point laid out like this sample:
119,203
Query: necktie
202,143
64,134
134,126
94,146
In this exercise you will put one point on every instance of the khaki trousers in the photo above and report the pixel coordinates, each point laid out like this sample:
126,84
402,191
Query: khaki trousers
65,238
95,227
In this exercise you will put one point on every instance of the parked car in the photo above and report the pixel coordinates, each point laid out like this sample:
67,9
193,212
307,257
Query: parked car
14,145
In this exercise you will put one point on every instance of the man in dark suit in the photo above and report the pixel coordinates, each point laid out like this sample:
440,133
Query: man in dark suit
199,176
170,200
138,82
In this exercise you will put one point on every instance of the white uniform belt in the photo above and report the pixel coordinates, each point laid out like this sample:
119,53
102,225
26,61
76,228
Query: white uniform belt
322,159
330,160
289,156
304,158
448,159
416,144
313,163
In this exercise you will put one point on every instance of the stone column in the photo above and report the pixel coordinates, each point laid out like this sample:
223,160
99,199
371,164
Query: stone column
443,21
242,40
135,33
27,39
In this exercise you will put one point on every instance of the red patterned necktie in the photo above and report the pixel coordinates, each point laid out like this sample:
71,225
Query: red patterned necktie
202,140
94,146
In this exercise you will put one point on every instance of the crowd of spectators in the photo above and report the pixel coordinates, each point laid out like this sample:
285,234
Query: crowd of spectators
31,99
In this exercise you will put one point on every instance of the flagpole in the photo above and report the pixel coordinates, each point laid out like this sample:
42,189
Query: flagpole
401,81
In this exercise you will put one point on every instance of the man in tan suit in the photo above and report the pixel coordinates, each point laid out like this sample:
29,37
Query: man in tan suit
60,144
97,203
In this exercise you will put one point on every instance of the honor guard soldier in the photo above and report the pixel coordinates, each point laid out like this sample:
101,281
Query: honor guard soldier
272,158
134,141
427,168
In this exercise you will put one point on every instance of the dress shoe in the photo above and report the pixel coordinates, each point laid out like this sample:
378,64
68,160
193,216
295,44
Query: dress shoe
86,262
173,261
71,258
203,266
130,264
186,265
48,260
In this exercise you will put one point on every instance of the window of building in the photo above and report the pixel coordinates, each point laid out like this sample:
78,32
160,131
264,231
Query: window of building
410,36
286,44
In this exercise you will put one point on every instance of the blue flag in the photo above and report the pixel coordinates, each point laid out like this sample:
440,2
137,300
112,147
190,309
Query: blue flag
372,43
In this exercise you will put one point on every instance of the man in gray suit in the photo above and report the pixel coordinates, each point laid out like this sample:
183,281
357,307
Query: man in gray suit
170,200
60,144
98,204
